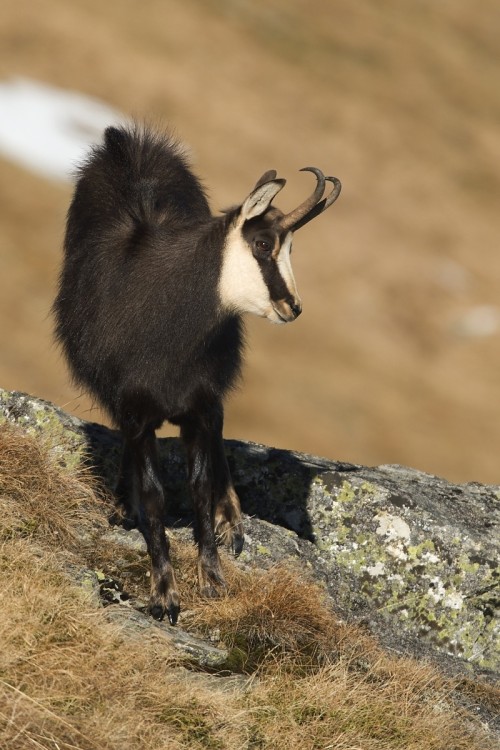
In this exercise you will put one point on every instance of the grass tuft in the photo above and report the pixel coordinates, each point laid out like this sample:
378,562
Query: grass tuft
40,498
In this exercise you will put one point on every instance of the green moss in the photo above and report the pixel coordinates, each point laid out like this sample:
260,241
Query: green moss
347,493
415,552
466,566
236,660
262,550
189,720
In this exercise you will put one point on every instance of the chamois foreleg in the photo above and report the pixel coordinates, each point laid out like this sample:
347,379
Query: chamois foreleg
142,449
215,501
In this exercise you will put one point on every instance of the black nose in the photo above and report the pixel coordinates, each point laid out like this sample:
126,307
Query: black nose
296,308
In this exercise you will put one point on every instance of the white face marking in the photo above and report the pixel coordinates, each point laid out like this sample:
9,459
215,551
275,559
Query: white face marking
241,285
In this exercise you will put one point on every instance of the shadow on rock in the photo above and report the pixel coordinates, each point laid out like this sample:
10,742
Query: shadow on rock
272,484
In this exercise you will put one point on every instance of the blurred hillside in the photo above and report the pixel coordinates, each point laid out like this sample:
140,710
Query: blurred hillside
396,356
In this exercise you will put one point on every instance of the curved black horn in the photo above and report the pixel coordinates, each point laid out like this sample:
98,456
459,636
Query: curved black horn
290,220
323,204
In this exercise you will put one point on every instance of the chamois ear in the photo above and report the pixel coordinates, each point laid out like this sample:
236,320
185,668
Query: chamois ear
260,199
266,177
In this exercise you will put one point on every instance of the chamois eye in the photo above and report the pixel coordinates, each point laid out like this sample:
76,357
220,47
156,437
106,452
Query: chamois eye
263,245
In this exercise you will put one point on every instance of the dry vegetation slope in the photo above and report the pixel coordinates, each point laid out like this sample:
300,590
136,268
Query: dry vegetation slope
401,101
69,680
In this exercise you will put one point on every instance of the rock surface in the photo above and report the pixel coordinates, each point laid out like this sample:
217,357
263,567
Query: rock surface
411,555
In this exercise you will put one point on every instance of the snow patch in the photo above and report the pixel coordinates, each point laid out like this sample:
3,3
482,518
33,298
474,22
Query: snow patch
478,321
49,130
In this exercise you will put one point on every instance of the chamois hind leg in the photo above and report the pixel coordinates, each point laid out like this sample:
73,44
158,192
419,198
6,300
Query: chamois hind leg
143,452
228,520
209,479
126,513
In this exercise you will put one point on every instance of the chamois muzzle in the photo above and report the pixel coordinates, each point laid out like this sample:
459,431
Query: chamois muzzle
315,204
286,310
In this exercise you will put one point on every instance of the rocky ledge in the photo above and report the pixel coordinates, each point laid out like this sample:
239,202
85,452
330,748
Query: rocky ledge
409,554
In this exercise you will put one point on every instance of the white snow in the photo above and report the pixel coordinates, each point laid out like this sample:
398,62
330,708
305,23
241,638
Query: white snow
48,130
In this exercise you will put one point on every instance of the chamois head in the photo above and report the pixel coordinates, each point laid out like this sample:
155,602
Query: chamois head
257,274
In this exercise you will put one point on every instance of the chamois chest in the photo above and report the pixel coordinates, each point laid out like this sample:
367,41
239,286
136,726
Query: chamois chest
203,371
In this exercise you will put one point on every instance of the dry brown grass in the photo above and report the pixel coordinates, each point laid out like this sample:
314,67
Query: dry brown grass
70,680
275,612
38,498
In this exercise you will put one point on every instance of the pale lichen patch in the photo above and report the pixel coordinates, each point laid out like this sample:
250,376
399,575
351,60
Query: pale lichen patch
376,570
392,527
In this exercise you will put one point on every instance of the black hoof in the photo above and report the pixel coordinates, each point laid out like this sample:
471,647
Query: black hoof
157,612
238,543
172,612
130,522
117,518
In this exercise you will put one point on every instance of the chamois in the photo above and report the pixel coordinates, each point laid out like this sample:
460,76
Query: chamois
148,314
